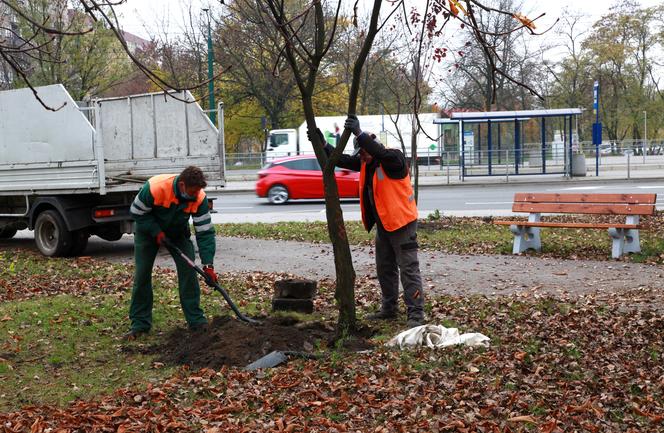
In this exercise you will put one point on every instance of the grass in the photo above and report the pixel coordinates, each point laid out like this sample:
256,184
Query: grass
66,348
294,231
54,349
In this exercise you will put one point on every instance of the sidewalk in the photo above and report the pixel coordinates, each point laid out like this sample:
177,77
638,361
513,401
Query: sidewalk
244,182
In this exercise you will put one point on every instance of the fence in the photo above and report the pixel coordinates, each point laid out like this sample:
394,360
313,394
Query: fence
627,155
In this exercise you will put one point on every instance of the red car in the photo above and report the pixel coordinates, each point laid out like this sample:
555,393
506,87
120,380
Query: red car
299,177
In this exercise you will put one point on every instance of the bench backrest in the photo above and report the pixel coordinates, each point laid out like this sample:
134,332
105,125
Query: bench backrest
607,204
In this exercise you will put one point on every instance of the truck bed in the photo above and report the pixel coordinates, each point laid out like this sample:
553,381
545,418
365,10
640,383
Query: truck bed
133,138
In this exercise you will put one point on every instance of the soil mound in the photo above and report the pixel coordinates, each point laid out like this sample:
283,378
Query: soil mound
231,342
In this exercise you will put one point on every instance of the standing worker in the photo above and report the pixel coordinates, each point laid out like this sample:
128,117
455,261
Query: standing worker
162,210
387,201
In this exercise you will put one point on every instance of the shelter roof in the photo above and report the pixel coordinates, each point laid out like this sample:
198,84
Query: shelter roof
509,115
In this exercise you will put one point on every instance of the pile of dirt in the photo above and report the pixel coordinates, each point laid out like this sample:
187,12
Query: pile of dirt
231,342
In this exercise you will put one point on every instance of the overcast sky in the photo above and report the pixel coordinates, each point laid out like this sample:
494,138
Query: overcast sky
136,14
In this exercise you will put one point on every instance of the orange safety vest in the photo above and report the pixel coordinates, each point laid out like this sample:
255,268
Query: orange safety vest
163,193
394,198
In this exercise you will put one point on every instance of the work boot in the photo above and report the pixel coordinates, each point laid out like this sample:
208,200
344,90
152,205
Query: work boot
198,328
135,334
382,315
414,322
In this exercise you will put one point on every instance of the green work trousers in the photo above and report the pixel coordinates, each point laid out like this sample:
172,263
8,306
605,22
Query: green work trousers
140,311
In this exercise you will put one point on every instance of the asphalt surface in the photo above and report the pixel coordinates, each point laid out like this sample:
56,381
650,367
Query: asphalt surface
457,200
442,273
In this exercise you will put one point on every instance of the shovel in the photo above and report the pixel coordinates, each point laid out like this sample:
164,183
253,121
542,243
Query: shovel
174,249
278,357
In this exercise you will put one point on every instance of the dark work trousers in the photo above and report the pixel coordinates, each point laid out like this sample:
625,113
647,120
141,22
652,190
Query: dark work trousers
145,252
396,253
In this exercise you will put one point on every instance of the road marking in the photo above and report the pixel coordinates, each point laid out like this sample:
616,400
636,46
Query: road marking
578,188
651,187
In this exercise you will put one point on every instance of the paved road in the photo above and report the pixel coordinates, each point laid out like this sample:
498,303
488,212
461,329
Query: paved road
459,200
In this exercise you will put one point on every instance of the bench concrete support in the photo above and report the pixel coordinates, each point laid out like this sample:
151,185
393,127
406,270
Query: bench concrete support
526,237
625,240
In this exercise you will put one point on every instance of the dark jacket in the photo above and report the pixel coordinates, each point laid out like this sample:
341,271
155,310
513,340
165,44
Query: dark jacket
393,162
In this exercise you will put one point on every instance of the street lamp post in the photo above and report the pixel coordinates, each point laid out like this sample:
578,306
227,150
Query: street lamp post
211,104
645,134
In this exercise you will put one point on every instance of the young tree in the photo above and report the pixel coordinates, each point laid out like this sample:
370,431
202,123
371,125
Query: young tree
307,35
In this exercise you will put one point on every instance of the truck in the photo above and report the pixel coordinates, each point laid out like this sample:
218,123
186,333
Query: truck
288,142
70,172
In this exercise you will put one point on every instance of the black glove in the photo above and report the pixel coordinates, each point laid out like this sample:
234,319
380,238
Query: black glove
353,124
311,136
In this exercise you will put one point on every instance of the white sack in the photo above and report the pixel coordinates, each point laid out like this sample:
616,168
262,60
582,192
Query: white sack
434,336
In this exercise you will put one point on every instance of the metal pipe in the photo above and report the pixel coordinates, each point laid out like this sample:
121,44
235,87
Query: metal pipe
186,122
447,156
99,151
221,139
489,144
645,134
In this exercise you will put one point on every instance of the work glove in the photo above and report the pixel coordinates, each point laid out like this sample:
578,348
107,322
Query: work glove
210,274
159,239
353,123
320,135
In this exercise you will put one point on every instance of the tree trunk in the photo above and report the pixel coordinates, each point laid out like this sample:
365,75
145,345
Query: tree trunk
344,292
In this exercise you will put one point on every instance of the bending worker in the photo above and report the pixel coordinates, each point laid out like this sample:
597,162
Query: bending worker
387,201
162,209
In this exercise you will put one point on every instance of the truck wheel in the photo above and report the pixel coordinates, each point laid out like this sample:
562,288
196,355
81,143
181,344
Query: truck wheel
79,242
278,194
7,232
51,234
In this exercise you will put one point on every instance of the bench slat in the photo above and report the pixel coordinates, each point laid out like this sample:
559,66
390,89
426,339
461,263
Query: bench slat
530,197
588,208
568,225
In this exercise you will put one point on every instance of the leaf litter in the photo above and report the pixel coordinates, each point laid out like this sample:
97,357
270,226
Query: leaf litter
557,362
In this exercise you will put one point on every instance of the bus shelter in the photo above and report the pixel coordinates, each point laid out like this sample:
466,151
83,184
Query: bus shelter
499,143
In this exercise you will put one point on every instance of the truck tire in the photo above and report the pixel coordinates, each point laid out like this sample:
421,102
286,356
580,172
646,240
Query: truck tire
79,242
51,234
278,194
7,232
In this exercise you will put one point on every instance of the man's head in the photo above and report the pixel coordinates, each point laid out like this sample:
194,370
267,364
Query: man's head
191,181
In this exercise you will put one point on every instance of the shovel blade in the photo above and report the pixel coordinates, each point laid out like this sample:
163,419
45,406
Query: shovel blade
270,360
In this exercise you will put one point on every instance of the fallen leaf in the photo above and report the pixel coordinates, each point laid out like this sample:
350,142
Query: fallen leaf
522,418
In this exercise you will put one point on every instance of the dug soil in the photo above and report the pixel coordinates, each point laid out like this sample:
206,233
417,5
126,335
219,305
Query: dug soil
231,342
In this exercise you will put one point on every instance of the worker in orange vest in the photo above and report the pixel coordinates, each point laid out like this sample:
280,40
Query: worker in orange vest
388,202
163,209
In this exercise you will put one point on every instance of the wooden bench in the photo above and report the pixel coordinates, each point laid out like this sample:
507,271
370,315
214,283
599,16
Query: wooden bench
625,236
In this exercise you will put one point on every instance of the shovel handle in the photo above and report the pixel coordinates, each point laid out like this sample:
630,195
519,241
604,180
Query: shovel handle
174,249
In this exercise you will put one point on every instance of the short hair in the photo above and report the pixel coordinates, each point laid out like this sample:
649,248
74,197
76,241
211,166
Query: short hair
193,176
